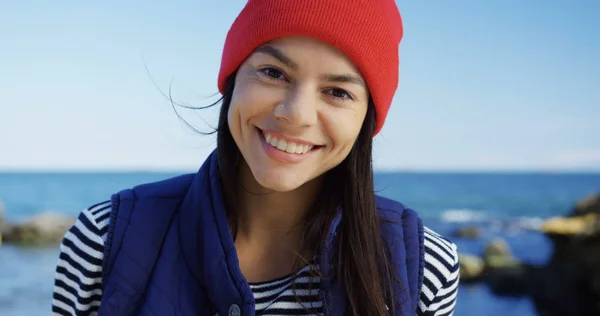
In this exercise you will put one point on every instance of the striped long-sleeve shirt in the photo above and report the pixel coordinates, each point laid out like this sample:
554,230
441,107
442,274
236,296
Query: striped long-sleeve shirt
78,279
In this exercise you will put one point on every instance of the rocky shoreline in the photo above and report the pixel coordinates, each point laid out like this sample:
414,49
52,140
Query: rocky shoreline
568,284
44,229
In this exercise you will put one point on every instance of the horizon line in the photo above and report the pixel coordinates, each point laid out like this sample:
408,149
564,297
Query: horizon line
183,170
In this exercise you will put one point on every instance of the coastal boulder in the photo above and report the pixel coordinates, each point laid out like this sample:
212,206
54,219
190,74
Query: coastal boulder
470,232
569,284
572,276
590,204
581,225
503,273
3,223
42,229
497,254
471,268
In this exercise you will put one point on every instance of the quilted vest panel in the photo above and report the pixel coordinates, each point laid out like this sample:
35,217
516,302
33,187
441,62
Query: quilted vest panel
170,252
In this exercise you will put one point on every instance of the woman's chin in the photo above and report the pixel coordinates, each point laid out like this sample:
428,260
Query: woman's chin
280,182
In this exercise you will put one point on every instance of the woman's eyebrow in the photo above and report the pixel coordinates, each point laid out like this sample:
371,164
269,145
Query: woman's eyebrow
345,78
270,50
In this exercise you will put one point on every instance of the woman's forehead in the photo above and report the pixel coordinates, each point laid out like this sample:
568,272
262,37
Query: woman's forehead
301,49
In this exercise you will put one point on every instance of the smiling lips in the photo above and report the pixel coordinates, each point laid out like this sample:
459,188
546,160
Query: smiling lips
286,146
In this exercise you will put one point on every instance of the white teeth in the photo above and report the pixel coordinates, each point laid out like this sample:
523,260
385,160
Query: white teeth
274,142
291,148
283,145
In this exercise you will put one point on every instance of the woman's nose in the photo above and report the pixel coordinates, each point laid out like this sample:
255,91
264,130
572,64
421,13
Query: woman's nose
299,109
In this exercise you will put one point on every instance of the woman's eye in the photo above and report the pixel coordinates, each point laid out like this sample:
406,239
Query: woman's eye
273,73
340,93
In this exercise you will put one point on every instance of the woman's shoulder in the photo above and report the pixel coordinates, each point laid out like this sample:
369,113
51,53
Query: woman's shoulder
96,217
441,244
78,275
172,187
441,274
99,215
91,225
440,253
441,265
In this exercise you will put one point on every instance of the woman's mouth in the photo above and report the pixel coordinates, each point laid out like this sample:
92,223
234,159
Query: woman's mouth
286,146
286,149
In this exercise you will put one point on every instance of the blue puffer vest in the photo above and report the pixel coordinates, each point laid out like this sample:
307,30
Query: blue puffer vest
170,252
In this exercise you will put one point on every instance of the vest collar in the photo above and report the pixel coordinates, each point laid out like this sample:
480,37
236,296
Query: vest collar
209,250
207,244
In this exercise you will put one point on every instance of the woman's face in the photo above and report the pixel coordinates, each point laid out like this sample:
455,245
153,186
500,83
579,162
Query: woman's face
296,111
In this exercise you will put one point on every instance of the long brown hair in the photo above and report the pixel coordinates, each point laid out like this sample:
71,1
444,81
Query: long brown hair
361,257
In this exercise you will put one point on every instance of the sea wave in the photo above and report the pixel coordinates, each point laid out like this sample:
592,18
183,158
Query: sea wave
468,216
464,216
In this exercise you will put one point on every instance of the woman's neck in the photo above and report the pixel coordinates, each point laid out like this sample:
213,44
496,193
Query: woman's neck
270,227
262,211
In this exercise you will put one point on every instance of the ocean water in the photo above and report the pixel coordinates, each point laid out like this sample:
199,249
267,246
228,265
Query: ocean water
505,205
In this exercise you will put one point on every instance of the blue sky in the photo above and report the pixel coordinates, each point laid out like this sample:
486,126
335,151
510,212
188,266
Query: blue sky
484,85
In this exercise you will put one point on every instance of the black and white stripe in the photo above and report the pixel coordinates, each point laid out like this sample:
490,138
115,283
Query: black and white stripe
298,295
78,277
441,276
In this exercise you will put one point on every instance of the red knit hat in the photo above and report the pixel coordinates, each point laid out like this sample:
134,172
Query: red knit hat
367,31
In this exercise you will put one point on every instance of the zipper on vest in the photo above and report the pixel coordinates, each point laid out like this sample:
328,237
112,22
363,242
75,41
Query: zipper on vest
325,303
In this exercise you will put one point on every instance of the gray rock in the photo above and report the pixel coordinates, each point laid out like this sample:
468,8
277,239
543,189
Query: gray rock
497,254
587,205
569,284
42,229
471,267
470,232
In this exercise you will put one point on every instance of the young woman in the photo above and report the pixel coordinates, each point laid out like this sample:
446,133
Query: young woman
281,219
